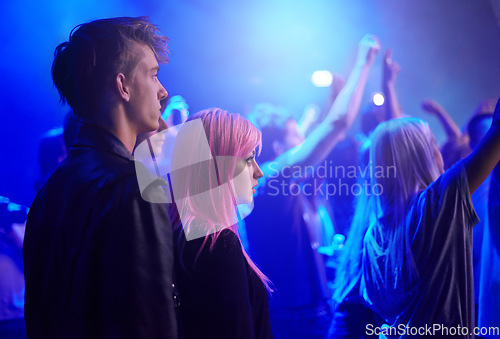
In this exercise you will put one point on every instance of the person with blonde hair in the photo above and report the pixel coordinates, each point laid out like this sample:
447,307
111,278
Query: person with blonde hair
283,229
417,253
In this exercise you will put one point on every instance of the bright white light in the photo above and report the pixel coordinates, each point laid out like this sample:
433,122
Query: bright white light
322,78
378,99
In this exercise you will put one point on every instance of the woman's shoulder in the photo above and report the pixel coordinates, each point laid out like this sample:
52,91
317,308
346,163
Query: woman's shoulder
449,194
453,180
219,244
218,255
227,242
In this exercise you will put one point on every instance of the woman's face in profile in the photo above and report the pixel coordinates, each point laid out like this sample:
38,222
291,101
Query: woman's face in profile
246,173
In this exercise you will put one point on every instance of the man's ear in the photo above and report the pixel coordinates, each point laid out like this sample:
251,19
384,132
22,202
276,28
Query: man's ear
122,87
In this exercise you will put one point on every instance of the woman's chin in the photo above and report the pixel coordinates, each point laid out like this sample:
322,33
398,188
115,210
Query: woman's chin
245,201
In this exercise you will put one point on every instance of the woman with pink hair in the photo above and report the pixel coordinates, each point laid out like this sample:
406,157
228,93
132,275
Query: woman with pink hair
417,252
222,292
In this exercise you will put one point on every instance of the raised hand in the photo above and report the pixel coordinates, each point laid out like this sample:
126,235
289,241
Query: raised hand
432,107
369,46
452,130
390,68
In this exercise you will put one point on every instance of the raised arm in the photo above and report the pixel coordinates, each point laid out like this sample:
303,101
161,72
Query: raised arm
390,70
337,85
485,156
308,118
450,127
342,113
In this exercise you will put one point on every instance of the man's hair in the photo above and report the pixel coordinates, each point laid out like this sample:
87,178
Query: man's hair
95,53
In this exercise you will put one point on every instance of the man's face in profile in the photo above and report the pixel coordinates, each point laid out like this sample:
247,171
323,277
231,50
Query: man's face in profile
145,90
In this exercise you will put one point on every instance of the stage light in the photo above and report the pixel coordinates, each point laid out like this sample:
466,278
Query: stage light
322,78
378,99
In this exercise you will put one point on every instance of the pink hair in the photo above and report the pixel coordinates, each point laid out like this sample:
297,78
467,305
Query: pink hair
229,136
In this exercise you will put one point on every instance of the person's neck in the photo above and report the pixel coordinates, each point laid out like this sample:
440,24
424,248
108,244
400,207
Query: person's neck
115,123
126,135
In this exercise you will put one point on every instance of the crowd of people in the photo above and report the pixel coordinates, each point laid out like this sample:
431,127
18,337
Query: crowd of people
151,222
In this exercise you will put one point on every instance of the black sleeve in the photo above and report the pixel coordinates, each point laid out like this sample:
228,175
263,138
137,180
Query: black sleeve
215,293
234,288
129,254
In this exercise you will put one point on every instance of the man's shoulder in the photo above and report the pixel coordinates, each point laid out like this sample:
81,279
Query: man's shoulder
85,177
89,164
97,186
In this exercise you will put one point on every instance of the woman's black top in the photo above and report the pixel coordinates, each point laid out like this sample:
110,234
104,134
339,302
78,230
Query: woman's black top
220,295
